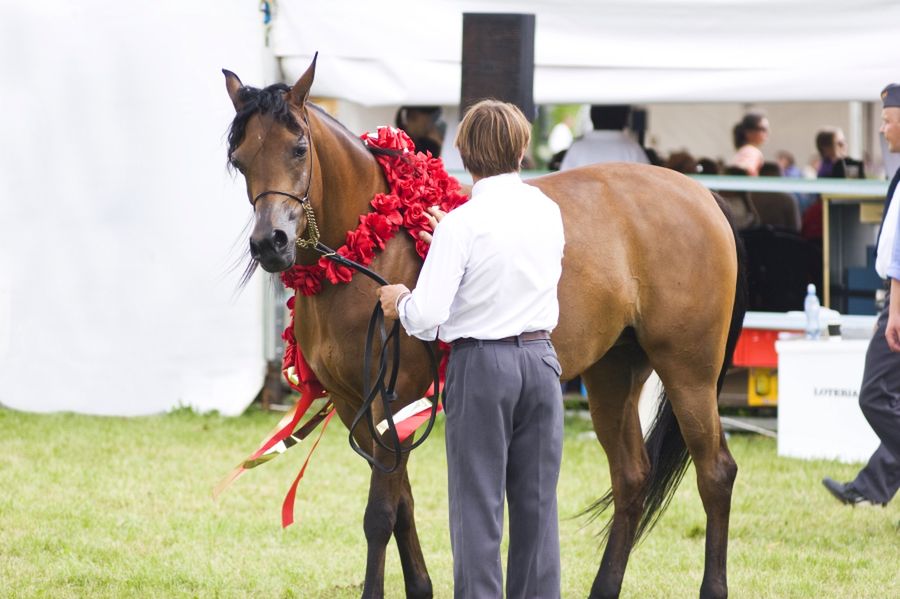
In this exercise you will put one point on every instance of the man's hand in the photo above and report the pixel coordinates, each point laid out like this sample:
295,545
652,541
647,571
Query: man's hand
892,333
435,215
388,295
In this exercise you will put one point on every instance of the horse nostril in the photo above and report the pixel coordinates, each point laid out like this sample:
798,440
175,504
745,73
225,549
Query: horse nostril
280,239
254,249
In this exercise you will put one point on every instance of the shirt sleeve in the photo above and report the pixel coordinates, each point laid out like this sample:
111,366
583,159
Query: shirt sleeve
428,306
893,269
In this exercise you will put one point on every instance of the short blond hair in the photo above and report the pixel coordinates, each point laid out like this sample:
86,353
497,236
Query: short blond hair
492,138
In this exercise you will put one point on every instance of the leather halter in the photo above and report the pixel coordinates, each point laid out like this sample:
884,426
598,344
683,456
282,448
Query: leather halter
312,227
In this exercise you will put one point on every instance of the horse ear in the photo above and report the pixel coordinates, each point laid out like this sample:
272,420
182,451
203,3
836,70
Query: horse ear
300,91
233,85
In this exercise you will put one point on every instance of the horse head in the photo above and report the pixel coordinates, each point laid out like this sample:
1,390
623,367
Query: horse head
270,144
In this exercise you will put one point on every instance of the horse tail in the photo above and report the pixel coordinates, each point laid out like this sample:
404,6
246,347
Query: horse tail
666,450
741,292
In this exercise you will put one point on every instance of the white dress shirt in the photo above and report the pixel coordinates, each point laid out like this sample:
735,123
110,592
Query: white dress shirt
603,146
492,268
887,259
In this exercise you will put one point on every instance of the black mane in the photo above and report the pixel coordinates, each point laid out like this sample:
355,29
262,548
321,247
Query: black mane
271,100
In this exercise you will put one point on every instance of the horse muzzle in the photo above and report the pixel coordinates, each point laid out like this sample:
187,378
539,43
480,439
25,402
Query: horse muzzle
273,249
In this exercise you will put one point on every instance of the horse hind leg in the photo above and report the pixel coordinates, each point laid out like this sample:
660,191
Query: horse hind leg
694,402
614,386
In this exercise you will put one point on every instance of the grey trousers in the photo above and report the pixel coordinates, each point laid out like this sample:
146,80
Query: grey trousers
879,399
504,429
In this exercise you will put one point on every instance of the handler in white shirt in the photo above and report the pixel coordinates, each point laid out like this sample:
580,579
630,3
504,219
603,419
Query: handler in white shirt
488,286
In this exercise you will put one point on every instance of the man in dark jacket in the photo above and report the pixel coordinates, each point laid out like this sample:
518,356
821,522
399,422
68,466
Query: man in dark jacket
879,397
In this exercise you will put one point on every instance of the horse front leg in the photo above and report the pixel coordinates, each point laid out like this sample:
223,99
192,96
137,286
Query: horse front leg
389,510
415,573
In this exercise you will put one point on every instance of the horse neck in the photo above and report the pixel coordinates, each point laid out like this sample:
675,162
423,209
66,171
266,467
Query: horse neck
348,177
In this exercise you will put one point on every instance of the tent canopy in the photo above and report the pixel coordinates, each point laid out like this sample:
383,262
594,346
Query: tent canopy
589,51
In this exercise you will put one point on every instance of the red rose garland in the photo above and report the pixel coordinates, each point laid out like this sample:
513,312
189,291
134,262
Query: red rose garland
416,181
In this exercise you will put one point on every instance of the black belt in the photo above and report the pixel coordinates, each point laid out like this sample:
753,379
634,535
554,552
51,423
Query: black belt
529,336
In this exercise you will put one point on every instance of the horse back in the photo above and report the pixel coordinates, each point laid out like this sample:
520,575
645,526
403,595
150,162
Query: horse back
648,249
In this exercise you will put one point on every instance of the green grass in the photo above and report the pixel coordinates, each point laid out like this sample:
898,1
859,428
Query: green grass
110,507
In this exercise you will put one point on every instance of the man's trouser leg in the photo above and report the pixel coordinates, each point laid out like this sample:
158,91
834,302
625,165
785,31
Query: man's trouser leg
535,454
879,400
479,396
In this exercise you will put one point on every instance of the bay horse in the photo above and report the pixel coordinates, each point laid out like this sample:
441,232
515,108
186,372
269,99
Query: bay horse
651,279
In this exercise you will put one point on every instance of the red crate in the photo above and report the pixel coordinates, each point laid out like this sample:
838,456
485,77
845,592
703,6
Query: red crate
756,348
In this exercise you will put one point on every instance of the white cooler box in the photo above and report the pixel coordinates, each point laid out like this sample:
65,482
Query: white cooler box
818,400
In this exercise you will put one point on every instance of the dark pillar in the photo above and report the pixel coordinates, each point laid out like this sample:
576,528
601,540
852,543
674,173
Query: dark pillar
639,124
498,60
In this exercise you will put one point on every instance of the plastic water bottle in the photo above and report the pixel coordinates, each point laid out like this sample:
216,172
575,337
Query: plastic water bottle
811,308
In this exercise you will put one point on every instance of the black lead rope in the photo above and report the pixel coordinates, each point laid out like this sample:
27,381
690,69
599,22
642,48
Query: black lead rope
390,345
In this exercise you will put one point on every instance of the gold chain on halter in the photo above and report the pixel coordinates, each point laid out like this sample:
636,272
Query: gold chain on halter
311,228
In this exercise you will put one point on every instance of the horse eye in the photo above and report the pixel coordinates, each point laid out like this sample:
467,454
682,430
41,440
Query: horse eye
234,162
300,150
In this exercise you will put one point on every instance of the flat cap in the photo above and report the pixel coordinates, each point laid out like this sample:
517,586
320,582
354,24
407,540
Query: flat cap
890,95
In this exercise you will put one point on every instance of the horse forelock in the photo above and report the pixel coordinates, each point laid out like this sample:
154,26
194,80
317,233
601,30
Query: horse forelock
255,101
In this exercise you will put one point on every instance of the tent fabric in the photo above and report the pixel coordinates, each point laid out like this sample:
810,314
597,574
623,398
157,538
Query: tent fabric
119,221
636,51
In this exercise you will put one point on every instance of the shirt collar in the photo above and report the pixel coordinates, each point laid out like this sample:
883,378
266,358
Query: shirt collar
496,182
605,134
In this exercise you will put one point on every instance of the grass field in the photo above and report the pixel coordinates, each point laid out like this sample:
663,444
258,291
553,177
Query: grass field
110,507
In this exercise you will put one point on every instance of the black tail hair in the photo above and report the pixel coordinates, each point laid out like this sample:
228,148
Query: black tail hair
669,457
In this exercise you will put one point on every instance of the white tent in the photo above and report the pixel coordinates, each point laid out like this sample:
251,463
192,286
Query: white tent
118,218
594,51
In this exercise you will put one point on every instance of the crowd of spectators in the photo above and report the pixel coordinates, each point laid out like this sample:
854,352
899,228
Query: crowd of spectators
773,224
610,140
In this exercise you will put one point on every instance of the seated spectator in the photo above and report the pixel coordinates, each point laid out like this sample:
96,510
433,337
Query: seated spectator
787,163
608,142
833,163
748,136
833,159
775,208
742,209
682,162
832,147
708,166
789,168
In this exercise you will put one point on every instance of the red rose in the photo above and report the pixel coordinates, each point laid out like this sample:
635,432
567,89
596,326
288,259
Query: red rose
384,203
422,247
334,272
415,217
405,189
401,140
380,227
311,284
452,201
360,245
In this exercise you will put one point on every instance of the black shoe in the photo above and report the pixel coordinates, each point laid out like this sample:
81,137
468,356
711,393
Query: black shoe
846,494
